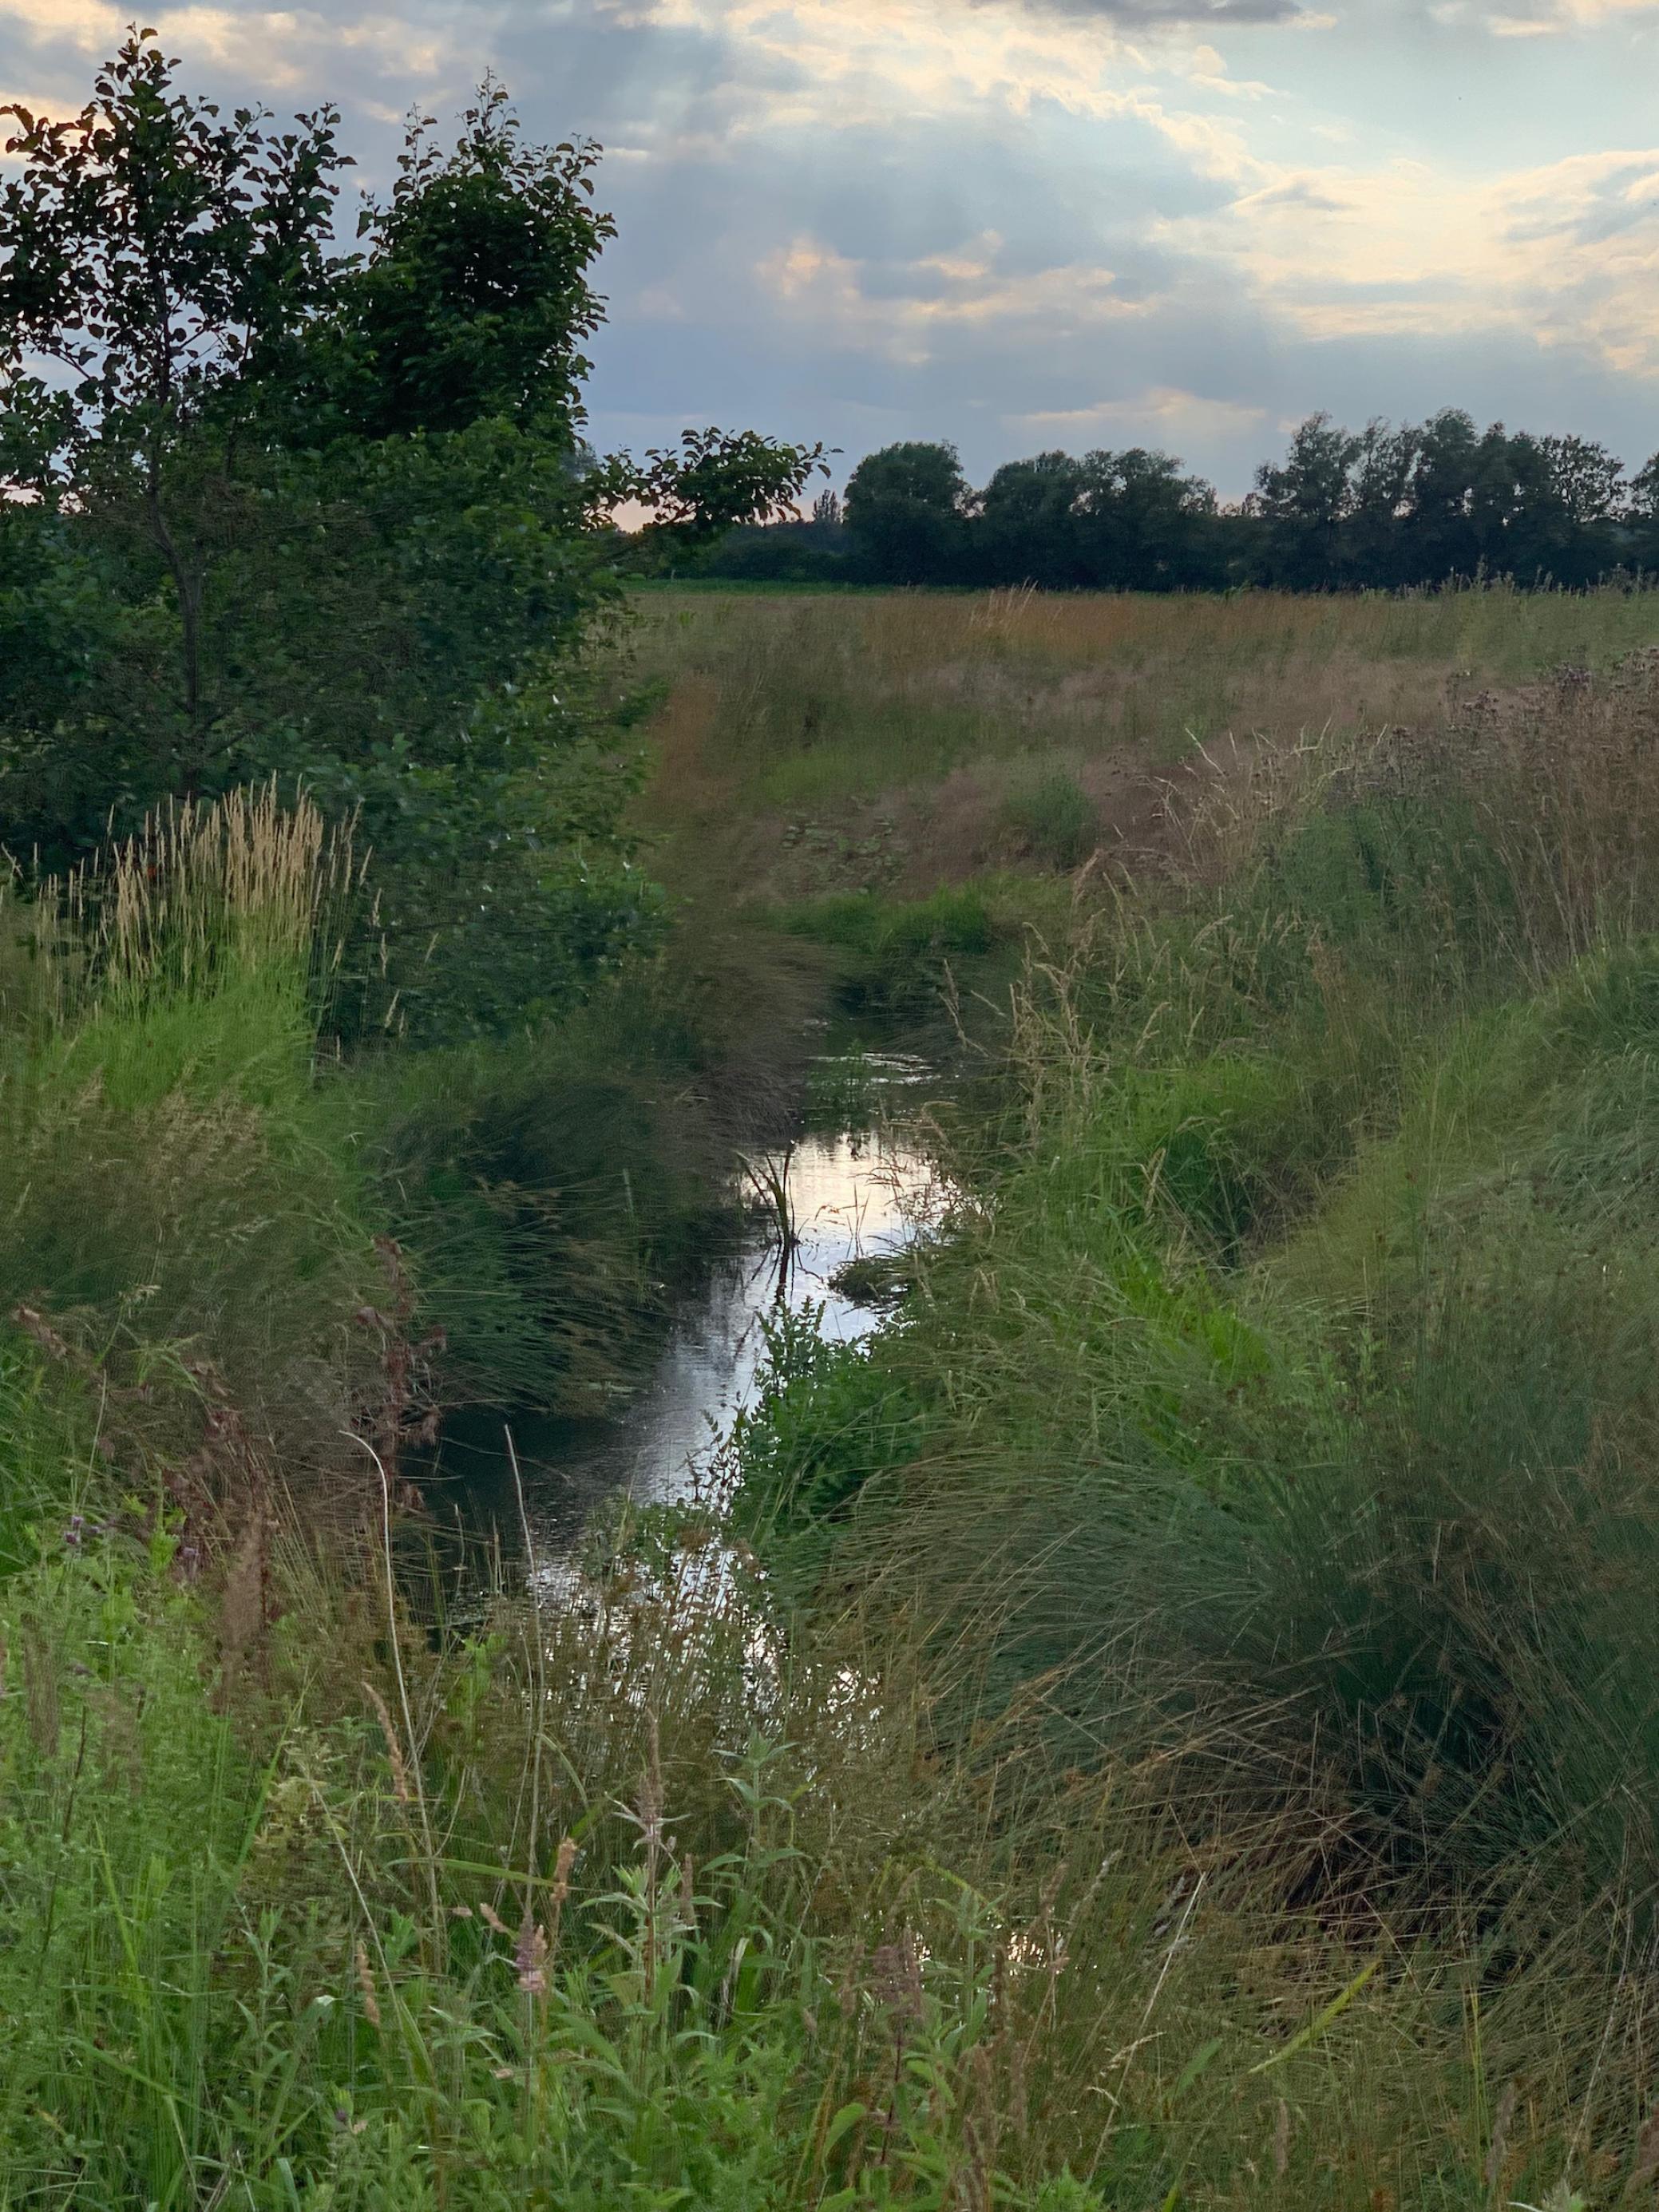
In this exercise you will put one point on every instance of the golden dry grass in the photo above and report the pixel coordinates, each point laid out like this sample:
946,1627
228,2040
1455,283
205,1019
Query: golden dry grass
812,741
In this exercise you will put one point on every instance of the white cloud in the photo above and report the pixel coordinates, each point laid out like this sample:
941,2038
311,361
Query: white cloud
1011,220
1166,412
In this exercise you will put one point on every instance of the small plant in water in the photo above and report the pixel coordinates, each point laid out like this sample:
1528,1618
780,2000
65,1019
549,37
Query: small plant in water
768,1177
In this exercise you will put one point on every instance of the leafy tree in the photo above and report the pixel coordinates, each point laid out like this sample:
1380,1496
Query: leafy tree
1586,479
1306,500
472,298
1142,525
330,516
1379,495
906,507
713,482
1025,529
162,259
1437,530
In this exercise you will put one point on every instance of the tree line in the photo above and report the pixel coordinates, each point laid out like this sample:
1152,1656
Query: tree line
1388,507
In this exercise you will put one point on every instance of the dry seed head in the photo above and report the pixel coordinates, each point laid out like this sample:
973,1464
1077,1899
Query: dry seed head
199,888
531,1957
896,1977
1646,2168
366,1985
1500,2137
394,1748
648,1806
562,1866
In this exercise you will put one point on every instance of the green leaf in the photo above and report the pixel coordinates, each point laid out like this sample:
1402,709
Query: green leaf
1196,2065
1322,2020
847,2116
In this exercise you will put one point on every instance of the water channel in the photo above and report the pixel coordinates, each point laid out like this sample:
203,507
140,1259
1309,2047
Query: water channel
858,1192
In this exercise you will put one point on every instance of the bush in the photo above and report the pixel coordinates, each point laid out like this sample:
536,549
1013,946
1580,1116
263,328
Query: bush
894,953
1055,821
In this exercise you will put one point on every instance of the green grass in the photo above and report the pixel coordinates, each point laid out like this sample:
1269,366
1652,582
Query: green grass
589,1914
1276,1422
1054,820
822,696
1173,1720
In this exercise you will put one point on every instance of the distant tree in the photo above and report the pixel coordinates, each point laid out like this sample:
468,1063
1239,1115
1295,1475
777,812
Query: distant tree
1508,503
1025,528
1587,479
1379,495
1590,498
1640,535
906,507
1439,532
1142,525
1306,500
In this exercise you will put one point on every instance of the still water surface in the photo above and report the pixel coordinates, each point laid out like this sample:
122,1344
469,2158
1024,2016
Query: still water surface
853,1194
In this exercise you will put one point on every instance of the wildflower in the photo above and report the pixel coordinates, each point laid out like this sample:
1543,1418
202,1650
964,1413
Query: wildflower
76,1530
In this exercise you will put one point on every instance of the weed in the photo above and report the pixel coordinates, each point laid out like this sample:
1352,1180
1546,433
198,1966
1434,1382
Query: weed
1055,821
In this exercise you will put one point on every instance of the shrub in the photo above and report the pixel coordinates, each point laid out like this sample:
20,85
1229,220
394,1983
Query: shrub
1055,819
894,953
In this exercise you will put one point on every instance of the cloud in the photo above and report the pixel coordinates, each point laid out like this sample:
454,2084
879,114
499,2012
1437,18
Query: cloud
1166,416
1019,222
1305,192
1541,19
1150,14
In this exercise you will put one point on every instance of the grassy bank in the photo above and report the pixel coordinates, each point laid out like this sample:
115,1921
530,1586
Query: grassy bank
1167,1721
1273,1436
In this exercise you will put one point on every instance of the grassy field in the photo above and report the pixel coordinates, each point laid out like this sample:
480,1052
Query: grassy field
1174,1722
811,742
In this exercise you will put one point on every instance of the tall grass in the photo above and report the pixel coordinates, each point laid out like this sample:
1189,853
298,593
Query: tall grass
798,702
1278,1425
1187,1735
591,1909
175,1184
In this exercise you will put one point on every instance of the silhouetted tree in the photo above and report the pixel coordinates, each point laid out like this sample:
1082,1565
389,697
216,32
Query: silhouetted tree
906,507
1142,525
1305,499
1025,527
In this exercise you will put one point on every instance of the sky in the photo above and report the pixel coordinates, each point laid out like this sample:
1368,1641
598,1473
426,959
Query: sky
1024,224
